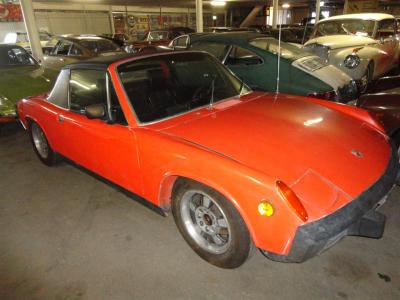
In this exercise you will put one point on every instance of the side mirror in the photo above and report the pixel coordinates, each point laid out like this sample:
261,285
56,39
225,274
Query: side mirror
95,111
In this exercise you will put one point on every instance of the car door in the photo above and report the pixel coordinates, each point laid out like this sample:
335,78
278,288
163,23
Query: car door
105,146
58,57
247,65
388,46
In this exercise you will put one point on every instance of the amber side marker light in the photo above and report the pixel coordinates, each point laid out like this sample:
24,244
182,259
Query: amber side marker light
265,209
294,202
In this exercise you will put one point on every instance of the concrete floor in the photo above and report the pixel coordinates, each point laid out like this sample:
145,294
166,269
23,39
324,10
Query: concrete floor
66,235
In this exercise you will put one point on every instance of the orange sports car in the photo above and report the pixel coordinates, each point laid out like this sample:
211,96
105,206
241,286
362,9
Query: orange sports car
238,169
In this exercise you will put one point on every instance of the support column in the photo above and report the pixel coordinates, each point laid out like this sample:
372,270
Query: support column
31,29
199,15
111,16
317,10
275,8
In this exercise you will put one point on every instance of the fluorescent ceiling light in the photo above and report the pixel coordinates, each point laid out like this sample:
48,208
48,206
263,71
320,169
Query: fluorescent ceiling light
322,3
286,5
218,3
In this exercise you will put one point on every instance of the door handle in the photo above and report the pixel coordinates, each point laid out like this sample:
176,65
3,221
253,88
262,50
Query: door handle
61,118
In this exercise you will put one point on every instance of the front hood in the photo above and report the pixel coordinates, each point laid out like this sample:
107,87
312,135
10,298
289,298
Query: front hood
23,81
341,41
286,136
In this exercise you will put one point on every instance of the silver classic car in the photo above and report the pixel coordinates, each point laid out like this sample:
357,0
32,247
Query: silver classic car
365,46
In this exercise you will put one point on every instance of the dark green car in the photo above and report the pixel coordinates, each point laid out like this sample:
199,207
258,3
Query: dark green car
20,76
254,58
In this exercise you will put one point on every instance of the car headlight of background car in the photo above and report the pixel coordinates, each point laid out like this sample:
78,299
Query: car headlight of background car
352,61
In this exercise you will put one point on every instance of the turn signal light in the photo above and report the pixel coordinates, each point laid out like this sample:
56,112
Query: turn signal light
294,202
265,209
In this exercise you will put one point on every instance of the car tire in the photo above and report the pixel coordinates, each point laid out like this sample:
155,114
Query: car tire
396,141
41,145
210,224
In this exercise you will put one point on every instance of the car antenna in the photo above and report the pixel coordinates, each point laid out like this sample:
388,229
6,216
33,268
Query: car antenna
304,34
210,106
279,59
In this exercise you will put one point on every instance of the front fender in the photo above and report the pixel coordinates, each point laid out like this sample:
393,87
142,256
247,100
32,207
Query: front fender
242,186
336,57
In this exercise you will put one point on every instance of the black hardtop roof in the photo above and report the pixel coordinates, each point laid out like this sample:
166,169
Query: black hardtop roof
100,62
103,62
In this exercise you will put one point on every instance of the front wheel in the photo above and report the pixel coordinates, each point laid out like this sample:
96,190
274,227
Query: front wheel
41,145
210,224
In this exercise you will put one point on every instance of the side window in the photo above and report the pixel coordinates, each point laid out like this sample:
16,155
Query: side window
63,48
181,42
59,95
241,56
217,49
87,87
75,51
386,28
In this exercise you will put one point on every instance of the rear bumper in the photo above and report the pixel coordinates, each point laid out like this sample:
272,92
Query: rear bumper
359,217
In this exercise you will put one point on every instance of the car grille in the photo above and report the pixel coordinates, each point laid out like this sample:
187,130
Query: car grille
312,64
319,50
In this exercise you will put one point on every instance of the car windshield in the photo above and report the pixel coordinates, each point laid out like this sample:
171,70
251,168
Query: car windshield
345,27
99,45
163,86
15,56
272,45
158,35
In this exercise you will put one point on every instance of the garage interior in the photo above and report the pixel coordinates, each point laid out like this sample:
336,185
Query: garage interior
65,234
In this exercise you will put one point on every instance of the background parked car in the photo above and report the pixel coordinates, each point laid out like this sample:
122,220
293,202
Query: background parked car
73,48
21,76
47,40
154,38
382,100
296,35
364,46
253,57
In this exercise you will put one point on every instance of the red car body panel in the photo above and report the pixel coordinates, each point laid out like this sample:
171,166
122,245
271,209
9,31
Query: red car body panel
240,148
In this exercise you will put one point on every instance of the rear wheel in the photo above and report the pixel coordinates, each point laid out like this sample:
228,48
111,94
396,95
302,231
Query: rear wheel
41,145
210,224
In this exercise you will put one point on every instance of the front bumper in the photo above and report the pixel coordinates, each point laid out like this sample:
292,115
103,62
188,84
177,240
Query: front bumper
359,217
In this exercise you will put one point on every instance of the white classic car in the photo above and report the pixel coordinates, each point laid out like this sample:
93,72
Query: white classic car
365,46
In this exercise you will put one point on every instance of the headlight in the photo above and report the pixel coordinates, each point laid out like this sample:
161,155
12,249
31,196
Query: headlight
352,61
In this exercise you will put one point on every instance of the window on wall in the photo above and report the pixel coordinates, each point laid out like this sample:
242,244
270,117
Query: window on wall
87,87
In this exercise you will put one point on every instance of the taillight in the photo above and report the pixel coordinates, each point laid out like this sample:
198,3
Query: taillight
294,202
326,95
